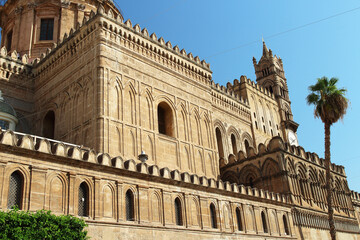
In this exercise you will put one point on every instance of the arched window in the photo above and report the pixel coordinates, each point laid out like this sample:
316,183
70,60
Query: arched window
213,216
286,227
302,191
263,218
83,208
247,147
9,40
16,186
165,119
256,125
233,143
287,115
238,219
271,89
251,182
219,143
178,212
129,202
49,125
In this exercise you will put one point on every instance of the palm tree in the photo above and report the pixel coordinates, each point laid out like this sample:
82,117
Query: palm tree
330,106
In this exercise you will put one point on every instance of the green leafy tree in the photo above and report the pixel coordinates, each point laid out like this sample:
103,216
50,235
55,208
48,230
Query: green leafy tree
330,106
16,224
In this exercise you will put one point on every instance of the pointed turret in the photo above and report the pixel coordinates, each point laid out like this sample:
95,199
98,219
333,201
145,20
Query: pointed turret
265,50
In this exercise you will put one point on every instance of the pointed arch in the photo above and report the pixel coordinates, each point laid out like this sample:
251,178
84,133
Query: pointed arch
194,211
182,123
147,110
264,222
56,189
115,102
195,126
250,176
156,212
239,219
286,225
83,200
130,205
213,217
108,201
178,212
48,126
166,119
227,216
16,190
130,102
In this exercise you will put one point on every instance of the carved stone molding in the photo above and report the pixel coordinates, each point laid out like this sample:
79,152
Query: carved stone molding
65,4
18,10
31,5
80,6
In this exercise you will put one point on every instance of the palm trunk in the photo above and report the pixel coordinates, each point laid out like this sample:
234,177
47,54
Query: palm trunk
328,185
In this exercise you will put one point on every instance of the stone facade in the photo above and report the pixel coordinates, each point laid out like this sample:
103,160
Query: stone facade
223,161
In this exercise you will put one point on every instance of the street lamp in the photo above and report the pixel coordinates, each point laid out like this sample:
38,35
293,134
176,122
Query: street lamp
143,157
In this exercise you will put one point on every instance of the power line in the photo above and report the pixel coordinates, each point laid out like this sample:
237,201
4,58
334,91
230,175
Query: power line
284,32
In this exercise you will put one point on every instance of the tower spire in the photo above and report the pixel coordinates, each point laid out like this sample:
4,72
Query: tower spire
265,49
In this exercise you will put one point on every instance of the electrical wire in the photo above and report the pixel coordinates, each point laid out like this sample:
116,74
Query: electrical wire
285,31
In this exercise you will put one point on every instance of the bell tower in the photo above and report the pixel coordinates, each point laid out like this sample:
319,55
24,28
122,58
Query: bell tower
270,74
30,27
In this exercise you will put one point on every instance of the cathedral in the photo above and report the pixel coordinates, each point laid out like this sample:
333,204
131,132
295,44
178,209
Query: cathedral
104,121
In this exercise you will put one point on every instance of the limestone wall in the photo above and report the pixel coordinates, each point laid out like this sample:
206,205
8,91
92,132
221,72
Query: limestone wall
53,172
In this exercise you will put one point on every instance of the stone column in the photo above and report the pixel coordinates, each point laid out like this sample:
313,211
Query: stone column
71,207
96,200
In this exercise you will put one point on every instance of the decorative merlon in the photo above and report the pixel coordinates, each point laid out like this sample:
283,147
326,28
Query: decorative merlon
277,144
78,153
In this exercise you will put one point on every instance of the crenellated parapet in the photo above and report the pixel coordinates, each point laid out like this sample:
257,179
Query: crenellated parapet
257,87
77,154
277,144
225,98
126,35
355,197
13,63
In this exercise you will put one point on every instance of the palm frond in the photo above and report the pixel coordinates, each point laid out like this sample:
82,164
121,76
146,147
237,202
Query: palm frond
329,101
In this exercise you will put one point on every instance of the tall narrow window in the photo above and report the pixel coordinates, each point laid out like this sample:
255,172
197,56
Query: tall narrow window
263,218
251,182
271,89
47,29
16,186
83,208
286,227
129,202
178,212
247,147
233,143
238,219
165,119
219,143
213,216
49,125
9,40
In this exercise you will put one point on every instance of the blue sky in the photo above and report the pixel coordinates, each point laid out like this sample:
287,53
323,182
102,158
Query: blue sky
220,33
